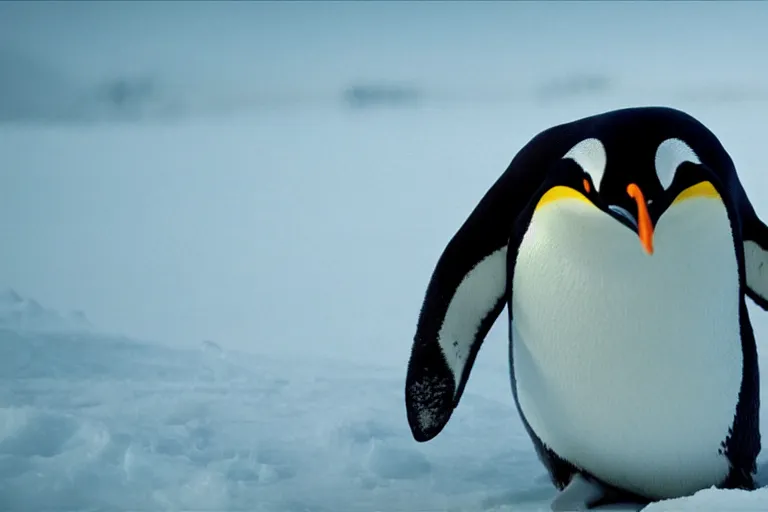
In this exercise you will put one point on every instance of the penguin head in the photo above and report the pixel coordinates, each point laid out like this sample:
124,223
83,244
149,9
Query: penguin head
636,195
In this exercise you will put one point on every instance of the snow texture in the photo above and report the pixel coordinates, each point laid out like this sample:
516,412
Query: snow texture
91,421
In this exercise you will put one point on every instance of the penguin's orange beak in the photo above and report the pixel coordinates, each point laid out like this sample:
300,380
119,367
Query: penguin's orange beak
644,226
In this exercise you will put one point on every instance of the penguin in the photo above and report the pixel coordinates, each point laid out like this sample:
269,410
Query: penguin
623,246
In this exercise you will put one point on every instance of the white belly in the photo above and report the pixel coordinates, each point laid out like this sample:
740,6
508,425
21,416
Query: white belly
629,365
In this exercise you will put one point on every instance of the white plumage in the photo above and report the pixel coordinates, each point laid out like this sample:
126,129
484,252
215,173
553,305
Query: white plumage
629,365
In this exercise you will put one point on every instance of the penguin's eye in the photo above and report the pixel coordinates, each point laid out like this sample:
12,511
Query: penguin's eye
669,156
589,154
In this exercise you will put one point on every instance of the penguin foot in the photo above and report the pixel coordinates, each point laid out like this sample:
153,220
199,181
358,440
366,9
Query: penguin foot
577,495
583,493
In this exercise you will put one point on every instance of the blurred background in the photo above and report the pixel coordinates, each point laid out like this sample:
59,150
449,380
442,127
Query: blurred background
282,176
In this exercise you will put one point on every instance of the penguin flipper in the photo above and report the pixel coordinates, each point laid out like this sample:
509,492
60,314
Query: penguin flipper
756,261
453,323
466,293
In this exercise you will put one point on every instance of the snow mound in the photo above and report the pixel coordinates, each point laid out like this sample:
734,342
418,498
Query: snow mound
19,313
715,500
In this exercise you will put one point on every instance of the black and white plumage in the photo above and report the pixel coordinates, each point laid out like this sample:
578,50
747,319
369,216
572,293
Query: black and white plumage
623,246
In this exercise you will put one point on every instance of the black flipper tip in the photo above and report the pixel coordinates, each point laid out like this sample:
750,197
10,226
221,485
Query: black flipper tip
429,403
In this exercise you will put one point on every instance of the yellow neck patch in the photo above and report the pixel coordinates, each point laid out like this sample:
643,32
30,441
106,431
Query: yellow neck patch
703,189
561,192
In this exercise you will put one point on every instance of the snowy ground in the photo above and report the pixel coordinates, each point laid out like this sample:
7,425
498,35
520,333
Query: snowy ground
91,421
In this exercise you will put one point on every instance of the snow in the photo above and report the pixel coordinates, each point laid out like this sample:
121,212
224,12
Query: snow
713,499
249,274
97,421
92,421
